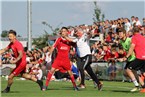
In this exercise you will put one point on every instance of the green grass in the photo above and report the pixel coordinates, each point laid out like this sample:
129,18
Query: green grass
64,89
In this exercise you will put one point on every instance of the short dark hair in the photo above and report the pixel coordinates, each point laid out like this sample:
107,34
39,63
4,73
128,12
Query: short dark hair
13,32
135,29
133,17
122,30
65,28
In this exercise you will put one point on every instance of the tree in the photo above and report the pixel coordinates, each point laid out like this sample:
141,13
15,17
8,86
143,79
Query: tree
54,30
4,33
41,41
98,16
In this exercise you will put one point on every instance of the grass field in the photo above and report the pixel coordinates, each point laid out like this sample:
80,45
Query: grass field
22,88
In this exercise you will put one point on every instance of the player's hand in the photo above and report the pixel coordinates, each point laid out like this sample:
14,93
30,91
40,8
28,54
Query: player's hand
13,61
120,59
124,59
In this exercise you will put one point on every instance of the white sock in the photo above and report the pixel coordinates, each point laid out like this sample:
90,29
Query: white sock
135,83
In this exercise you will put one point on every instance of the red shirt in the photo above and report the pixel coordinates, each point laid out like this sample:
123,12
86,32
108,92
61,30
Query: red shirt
122,55
107,55
114,55
139,42
63,48
16,47
108,39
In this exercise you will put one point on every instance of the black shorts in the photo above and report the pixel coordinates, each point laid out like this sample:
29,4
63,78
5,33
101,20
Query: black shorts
127,64
137,64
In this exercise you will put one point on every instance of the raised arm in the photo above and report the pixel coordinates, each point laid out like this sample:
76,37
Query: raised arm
51,50
69,39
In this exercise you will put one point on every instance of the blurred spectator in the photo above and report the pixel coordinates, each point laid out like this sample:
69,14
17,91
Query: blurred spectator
138,23
112,70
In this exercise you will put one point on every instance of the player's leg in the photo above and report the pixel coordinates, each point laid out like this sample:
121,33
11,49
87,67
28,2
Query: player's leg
19,69
72,79
90,71
31,77
133,78
49,75
81,71
132,66
94,77
141,78
10,82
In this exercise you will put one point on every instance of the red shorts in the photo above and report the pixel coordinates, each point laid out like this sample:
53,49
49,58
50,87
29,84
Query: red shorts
20,68
62,64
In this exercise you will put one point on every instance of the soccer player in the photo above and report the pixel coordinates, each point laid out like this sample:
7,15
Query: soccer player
138,46
62,60
126,42
84,57
20,61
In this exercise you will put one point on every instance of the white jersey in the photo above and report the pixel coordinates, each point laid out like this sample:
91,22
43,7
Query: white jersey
83,47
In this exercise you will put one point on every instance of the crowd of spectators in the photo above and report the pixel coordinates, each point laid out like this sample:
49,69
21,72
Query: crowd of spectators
106,48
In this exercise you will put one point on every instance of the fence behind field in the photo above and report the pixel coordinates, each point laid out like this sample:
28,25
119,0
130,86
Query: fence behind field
100,68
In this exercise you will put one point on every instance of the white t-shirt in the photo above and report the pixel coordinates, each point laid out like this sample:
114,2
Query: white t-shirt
83,47
133,22
127,26
39,76
114,26
138,23
28,59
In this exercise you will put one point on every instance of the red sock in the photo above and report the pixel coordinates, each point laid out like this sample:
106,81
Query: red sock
49,75
73,80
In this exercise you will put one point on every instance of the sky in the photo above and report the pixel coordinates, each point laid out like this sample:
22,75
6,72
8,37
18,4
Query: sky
63,13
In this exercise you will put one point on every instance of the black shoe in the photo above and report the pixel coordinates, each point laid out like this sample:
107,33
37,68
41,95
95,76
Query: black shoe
40,84
7,90
76,89
100,86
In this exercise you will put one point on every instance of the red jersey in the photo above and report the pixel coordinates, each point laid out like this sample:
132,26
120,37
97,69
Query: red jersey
16,47
139,42
62,61
63,48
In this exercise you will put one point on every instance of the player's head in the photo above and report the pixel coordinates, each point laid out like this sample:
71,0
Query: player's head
64,31
79,32
135,29
122,33
120,50
12,35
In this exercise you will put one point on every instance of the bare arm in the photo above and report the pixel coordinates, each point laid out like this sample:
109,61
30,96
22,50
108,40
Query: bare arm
69,39
3,50
18,58
51,50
